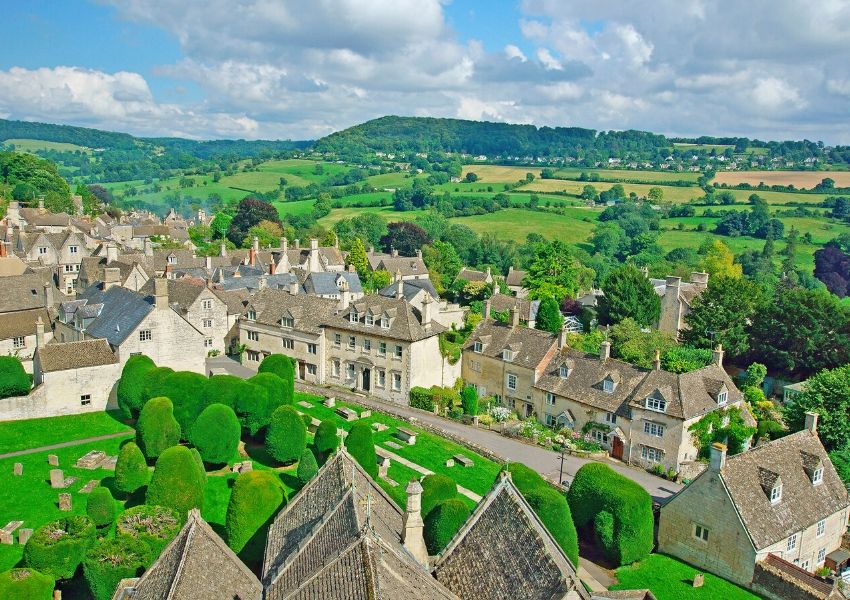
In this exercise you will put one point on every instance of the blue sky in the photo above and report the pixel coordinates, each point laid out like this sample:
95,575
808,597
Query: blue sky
773,69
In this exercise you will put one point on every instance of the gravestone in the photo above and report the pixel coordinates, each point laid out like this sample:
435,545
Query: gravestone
87,488
407,435
379,427
450,462
365,413
91,460
53,460
19,469
65,502
109,463
24,535
7,533
699,580
304,404
465,461
57,479
314,425
346,413
330,402
393,445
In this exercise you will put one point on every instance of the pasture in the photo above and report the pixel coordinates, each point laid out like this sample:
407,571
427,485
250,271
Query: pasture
719,148
26,145
799,179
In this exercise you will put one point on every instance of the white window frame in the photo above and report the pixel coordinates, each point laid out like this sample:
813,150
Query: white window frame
382,378
19,342
722,398
367,345
385,323
350,371
791,544
398,352
651,454
550,399
370,320
701,532
73,249
287,322
508,355
208,342
817,476
776,494
563,372
337,340
477,346
42,250
311,369
85,399
610,418
821,528
653,429
336,368
656,404
208,323
353,317
288,343
312,348
608,386
206,304
252,315
382,348
253,336
352,342
396,381
511,381
821,556
145,335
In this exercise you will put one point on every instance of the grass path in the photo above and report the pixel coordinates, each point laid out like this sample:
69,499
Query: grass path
98,438
420,469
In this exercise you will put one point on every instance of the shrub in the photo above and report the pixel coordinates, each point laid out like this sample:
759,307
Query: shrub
553,510
603,526
100,507
469,400
215,434
307,467
110,561
131,470
360,445
155,382
326,439
286,437
14,381
596,488
283,367
156,526
57,548
157,429
131,386
248,400
274,386
177,482
187,391
223,389
26,584
199,462
444,397
436,488
443,522
420,397
254,501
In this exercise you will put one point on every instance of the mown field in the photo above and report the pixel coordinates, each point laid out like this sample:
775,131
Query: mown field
510,174
26,145
799,179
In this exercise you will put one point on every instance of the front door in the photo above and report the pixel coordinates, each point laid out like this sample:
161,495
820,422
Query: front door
529,410
617,448
301,369
366,379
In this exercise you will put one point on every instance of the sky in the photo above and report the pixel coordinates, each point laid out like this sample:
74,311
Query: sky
289,69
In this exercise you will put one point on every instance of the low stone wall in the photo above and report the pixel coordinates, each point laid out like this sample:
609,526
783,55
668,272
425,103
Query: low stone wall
778,580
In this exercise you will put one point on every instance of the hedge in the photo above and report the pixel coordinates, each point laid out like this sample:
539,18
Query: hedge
420,397
286,437
131,470
360,445
177,482
283,367
157,429
443,522
307,467
57,548
274,386
155,526
155,382
187,391
433,397
248,400
255,499
603,527
223,389
469,400
525,478
596,488
326,439
131,386
110,561
26,584
436,488
100,506
14,381
215,434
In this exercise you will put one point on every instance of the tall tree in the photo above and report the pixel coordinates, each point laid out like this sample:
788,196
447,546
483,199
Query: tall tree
828,394
251,211
549,317
628,293
357,257
443,263
555,271
405,237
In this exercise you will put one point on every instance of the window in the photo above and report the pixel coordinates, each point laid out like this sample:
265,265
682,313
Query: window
548,419
474,365
287,322
172,260
821,555
821,528
352,317
817,476
349,371
775,494
311,369
382,378
18,342
42,249
477,346
85,399
208,343
700,533
792,542
651,454
396,381
73,249
367,345
312,349
610,418
507,355
252,355
208,323
253,336
656,429
805,565
511,381
382,348
69,268
563,372
608,386
550,400
337,340
600,436
370,320
656,404
206,304
252,315
145,335
336,366
385,323
722,397
398,351
288,344
352,342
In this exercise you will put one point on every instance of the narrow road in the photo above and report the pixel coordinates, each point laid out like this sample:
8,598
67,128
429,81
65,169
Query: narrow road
98,438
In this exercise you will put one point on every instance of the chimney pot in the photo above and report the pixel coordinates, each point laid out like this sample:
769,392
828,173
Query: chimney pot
208,262
293,287
562,338
419,253
657,361
717,457
48,295
812,421
605,350
673,282
39,333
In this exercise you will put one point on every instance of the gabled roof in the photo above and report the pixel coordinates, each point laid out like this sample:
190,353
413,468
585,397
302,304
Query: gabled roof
325,283
406,265
527,308
409,288
121,313
515,277
22,323
21,292
471,275
75,355
530,346
405,323
197,564
309,312
505,551
180,292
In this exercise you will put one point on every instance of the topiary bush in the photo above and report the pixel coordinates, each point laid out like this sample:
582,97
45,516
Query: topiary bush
155,526
26,584
443,522
155,382
255,499
248,400
223,389
57,548
552,509
286,437
283,367
215,434
469,400
603,527
274,386
360,445
177,482
187,391
14,381
100,507
597,488
157,429
199,462
326,439
307,467
110,561
131,470
131,387
436,488
421,398
525,478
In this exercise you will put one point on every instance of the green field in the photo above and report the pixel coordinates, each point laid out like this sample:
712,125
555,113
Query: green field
31,146
719,148
622,174
34,433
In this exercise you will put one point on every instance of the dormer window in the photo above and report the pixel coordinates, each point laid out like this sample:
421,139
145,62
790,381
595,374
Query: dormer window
722,397
370,320
172,260
817,476
776,493
507,355
287,322
252,315
353,317
564,372
385,323
608,386
657,404
477,347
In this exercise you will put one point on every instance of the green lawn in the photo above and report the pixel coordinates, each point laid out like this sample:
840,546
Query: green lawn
34,433
670,579
515,224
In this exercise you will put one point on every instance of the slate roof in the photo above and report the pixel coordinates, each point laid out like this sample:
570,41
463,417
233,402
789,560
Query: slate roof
515,277
93,268
530,346
404,321
409,288
75,355
22,292
802,503
309,312
197,564
22,323
325,284
121,313
504,551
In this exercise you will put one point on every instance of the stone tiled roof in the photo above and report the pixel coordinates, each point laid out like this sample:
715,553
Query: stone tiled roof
527,308
802,505
515,277
471,275
22,323
197,564
40,217
22,292
407,266
404,322
504,551
309,312
409,288
180,292
530,346
236,300
92,268
75,355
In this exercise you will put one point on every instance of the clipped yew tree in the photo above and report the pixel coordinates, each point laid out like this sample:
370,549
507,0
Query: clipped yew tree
274,386
286,436
443,522
100,507
283,367
469,400
131,470
249,401
177,482
26,584
57,548
597,488
326,438
111,560
14,381
131,387
215,434
255,499
307,467
196,456
157,429
361,446
155,526
155,382
436,488
187,391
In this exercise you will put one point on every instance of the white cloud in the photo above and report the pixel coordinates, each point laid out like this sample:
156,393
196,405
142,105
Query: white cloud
771,93
512,51
547,60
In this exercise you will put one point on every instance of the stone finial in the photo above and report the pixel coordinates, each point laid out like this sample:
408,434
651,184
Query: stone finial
717,456
656,362
605,350
812,421
412,534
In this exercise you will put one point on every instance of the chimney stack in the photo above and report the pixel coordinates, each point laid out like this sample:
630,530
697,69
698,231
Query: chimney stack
148,248
111,253
812,421
344,295
293,286
699,280
488,272
255,244
487,308
717,458
222,249
717,355
656,363
284,244
48,295
111,277
427,301
314,266
673,282
208,263
412,537
160,292
515,317
605,350
262,283
39,333
41,203
399,285
272,267
298,244
393,252
562,338
351,268
419,253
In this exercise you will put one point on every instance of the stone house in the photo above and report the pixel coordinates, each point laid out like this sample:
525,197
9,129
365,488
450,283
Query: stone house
676,299
330,284
24,301
514,282
527,309
62,251
415,290
409,268
467,274
314,259
132,274
781,500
